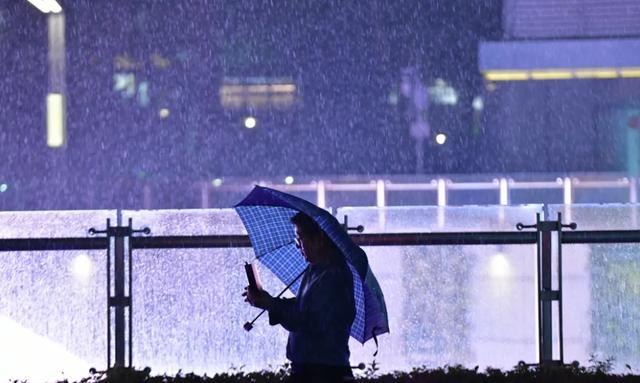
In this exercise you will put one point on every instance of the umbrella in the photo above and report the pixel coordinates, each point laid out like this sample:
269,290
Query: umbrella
266,214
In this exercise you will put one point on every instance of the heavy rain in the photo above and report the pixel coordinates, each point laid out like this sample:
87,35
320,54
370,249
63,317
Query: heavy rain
414,119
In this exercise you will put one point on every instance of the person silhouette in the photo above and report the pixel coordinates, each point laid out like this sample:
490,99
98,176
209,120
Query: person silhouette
319,318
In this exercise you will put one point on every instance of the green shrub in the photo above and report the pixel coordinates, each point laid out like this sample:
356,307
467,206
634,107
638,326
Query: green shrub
597,371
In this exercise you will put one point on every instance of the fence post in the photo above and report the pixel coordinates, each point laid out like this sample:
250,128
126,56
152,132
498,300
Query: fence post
120,301
546,294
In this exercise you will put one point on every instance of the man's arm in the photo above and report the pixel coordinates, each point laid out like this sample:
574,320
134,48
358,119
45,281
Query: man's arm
280,309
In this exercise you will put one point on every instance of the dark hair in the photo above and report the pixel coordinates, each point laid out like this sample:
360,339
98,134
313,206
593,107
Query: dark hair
306,224
311,229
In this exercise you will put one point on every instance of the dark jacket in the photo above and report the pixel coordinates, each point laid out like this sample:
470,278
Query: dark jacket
319,319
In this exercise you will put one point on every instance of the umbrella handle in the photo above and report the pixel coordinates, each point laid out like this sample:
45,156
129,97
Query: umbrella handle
249,325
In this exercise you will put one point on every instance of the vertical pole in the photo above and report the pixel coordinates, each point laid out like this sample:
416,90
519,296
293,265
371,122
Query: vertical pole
119,271
130,319
108,297
380,194
321,192
538,287
204,194
120,238
545,288
560,332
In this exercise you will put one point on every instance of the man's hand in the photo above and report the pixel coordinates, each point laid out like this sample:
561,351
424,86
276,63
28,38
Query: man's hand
258,298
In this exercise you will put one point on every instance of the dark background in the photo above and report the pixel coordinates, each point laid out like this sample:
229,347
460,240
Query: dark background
345,57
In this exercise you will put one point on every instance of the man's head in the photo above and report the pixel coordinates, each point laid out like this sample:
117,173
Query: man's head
312,241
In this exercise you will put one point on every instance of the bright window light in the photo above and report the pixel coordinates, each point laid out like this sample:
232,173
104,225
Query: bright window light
441,138
3,188
46,6
55,120
288,180
283,88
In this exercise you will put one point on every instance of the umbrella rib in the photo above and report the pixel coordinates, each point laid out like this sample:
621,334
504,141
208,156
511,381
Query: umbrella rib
276,249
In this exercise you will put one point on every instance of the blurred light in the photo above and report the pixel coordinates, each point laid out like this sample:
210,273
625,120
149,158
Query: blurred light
55,120
163,113
159,61
499,266
250,122
229,89
506,75
551,75
82,267
217,182
283,88
596,73
441,138
125,83
393,98
3,188
477,103
442,93
258,88
288,180
35,357
561,74
143,94
46,6
630,72
257,92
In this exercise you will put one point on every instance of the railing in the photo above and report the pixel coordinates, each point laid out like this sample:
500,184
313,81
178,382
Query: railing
505,189
120,241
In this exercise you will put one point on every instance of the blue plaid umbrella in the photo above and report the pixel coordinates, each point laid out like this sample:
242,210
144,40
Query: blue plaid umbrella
266,214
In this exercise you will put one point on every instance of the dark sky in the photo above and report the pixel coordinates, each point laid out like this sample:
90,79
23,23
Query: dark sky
344,56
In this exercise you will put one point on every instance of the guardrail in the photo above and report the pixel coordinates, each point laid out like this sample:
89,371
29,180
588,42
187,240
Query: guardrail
120,241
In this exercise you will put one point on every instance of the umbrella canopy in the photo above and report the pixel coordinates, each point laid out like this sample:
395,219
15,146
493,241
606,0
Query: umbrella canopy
266,214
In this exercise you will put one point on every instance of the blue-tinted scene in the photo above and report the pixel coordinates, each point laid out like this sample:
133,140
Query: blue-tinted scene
405,117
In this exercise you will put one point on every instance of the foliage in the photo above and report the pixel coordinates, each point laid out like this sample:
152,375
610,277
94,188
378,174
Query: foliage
598,371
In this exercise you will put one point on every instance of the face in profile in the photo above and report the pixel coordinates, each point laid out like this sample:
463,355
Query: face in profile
309,246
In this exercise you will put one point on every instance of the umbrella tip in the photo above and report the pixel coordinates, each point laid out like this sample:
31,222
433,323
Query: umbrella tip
248,326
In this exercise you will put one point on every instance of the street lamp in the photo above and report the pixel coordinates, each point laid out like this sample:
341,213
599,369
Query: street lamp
46,6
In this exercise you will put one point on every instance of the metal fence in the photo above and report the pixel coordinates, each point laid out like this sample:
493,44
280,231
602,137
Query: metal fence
124,236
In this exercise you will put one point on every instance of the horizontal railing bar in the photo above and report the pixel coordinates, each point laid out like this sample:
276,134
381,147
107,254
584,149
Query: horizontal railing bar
460,238
601,236
190,242
44,244
381,239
